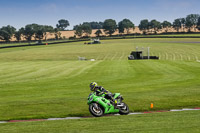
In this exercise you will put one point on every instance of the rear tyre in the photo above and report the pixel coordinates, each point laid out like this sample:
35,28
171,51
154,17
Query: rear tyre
124,110
95,110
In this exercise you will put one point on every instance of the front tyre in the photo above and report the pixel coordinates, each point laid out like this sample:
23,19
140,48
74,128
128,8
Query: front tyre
95,110
124,110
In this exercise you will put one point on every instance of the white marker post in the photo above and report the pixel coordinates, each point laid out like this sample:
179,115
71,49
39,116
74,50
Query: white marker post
142,52
148,51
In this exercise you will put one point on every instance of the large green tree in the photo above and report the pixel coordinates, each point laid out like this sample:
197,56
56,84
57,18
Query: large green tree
6,32
96,25
79,30
86,29
144,25
177,24
98,32
39,32
191,21
125,24
83,28
29,31
198,23
62,24
57,33
166,25
93,25
75,27
47,30
183,21
36,31
156,25
18,34
109,26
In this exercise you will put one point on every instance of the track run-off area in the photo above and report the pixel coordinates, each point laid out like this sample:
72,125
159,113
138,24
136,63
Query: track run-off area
49,82
72,118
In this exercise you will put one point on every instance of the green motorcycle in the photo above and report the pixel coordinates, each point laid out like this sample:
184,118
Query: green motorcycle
99,105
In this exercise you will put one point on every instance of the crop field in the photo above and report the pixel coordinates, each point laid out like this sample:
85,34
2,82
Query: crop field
50,81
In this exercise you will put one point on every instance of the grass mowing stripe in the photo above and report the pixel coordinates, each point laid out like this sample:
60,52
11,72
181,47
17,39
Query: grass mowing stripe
83,69
122,55
36,72
114,56
48,71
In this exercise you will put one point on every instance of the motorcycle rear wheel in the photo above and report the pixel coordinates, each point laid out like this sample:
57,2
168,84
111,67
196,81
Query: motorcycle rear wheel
95,110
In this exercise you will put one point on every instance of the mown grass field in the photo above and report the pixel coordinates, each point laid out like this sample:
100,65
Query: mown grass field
49,81
167,122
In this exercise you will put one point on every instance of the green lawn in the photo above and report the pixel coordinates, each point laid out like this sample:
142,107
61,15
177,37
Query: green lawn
49,81
168,122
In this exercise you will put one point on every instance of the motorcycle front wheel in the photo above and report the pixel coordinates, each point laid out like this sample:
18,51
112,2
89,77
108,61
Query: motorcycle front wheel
124,110
95,110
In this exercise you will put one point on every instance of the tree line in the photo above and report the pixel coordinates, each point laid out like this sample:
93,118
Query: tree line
39,32
32,30
191,21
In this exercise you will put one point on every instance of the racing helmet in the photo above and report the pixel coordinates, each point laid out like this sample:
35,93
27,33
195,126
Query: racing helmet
92,86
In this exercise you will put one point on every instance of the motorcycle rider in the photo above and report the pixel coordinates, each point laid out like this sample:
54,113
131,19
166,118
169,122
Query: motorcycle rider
100,90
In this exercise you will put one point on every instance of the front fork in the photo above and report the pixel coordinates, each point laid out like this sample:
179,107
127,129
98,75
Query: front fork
96,106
